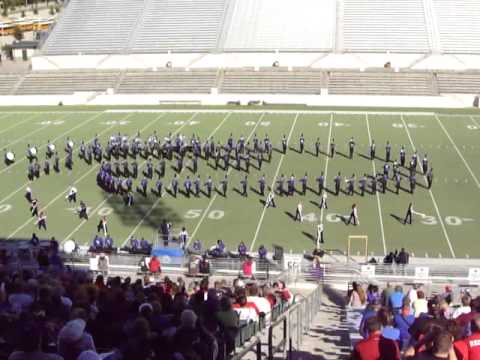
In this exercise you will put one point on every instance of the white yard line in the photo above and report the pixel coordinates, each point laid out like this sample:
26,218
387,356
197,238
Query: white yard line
110,195
17,140
273,184
135,229
325,173
382,230
458,151
63,192
431,194
53,141
215,196
16,124
474,121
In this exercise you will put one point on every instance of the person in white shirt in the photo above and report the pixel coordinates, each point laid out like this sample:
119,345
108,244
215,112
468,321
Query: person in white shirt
183,237
464,309
323,201
72,195
299,213
412,294
420,305
260,302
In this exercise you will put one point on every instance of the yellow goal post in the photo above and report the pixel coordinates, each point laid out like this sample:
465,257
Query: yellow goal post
363,239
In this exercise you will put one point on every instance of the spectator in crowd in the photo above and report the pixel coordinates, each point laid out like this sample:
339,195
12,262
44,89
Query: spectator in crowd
403,320
356,296
387,291
73,340
402,257
29,346
103,265
372,293
469,348
420,305
375,347
464,308
262,252
262,304
154,266
247,311
441,348
385,317
396,299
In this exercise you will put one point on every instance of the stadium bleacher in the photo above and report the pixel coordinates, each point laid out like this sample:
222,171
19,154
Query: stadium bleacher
242,81
458,25
381,83
273,82
458,83
7,83
379,26
179,25
259,25
99,27
66,82
189,82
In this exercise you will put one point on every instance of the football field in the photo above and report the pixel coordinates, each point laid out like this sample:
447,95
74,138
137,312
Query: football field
449,226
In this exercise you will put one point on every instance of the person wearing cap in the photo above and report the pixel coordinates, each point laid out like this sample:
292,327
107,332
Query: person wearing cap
73,339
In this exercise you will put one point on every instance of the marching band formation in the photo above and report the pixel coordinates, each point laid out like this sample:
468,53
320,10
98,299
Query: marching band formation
119,169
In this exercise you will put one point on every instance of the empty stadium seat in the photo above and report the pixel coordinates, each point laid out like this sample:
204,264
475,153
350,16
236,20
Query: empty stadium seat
44,83
94,27
174,81
458,83
7,83
458,25
281,25
179,25
272,82
380,83
382,25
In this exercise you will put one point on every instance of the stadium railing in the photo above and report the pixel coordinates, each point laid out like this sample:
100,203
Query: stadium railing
285,332
449,272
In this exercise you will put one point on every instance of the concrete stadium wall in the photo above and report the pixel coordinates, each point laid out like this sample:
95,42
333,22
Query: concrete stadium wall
88,98
257,60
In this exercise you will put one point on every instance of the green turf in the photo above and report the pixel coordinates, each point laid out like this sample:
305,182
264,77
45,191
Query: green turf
453,151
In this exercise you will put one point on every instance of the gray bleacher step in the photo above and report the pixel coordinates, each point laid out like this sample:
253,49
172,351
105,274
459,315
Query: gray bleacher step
328,336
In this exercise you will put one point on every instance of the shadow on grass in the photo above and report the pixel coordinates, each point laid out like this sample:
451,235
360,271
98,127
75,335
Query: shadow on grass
143,209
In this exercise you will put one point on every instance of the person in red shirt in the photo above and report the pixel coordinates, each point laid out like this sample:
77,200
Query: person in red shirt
375,347
154,266
469,348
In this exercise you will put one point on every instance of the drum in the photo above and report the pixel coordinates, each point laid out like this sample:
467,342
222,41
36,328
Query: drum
70,144
51,148
10,156
32,151
69,246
